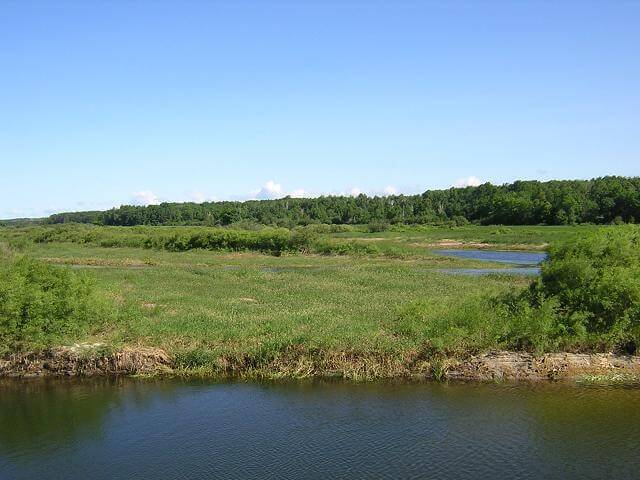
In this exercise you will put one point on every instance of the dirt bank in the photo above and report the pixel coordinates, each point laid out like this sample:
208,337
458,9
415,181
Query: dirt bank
85,360
91,360
551,366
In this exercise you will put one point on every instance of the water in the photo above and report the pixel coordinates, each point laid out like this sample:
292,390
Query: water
128,428
525,263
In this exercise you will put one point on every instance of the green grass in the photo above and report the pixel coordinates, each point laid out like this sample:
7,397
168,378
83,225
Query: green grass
245,313
507,237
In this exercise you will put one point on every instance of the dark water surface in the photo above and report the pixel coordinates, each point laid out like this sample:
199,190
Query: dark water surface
523,263
126,429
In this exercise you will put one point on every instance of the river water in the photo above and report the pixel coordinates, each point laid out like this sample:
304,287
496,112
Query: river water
127,428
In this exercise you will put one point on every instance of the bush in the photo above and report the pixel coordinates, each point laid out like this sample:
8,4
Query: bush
333,247
42,304
507,321
596,283
178,239
526,325
375,227
586,299
459,221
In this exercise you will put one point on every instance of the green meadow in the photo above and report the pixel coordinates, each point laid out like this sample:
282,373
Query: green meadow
323,306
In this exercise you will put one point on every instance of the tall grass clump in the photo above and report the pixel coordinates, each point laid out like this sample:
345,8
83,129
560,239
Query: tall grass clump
42,305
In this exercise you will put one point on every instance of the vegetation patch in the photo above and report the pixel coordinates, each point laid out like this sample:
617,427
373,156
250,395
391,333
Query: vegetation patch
42,305
381,310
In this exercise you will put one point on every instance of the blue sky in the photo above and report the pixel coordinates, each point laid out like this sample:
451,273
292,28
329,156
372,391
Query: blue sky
106,103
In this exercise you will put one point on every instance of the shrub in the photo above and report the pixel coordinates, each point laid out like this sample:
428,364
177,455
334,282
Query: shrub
507,321
374,227
586,299
332,247
459,221
41,304
596,283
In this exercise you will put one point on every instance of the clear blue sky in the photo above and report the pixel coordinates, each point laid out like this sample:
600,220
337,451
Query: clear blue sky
104,103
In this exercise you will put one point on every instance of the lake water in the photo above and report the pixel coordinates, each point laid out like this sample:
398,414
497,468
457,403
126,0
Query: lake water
127,428
524,263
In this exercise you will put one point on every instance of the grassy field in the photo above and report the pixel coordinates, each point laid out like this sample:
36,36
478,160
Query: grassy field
360,316
501,237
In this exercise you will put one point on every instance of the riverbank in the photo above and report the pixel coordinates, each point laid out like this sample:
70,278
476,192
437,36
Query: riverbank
95,360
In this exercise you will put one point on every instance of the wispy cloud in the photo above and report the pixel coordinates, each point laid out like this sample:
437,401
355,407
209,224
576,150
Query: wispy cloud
471,181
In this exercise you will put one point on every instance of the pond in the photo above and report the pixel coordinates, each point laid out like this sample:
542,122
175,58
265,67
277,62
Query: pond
524,263
133,428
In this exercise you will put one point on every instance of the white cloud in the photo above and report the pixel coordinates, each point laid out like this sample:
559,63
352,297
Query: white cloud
468,182
145,197
273,190
269,190
199,197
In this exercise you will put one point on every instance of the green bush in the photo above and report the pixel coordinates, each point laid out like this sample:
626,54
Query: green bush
274,241
527,325
586,299
333,247
507,321
42,304
459,221
178,239
375,227
594,287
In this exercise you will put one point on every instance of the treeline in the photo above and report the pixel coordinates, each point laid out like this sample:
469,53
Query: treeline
561,202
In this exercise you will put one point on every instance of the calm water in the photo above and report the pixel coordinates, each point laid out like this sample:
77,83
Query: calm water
127,429
524,263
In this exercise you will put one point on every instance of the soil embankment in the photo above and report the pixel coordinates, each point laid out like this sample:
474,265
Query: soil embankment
87,360
81,360
551,366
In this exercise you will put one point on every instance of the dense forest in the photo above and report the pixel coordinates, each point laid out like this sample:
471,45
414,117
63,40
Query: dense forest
601,200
